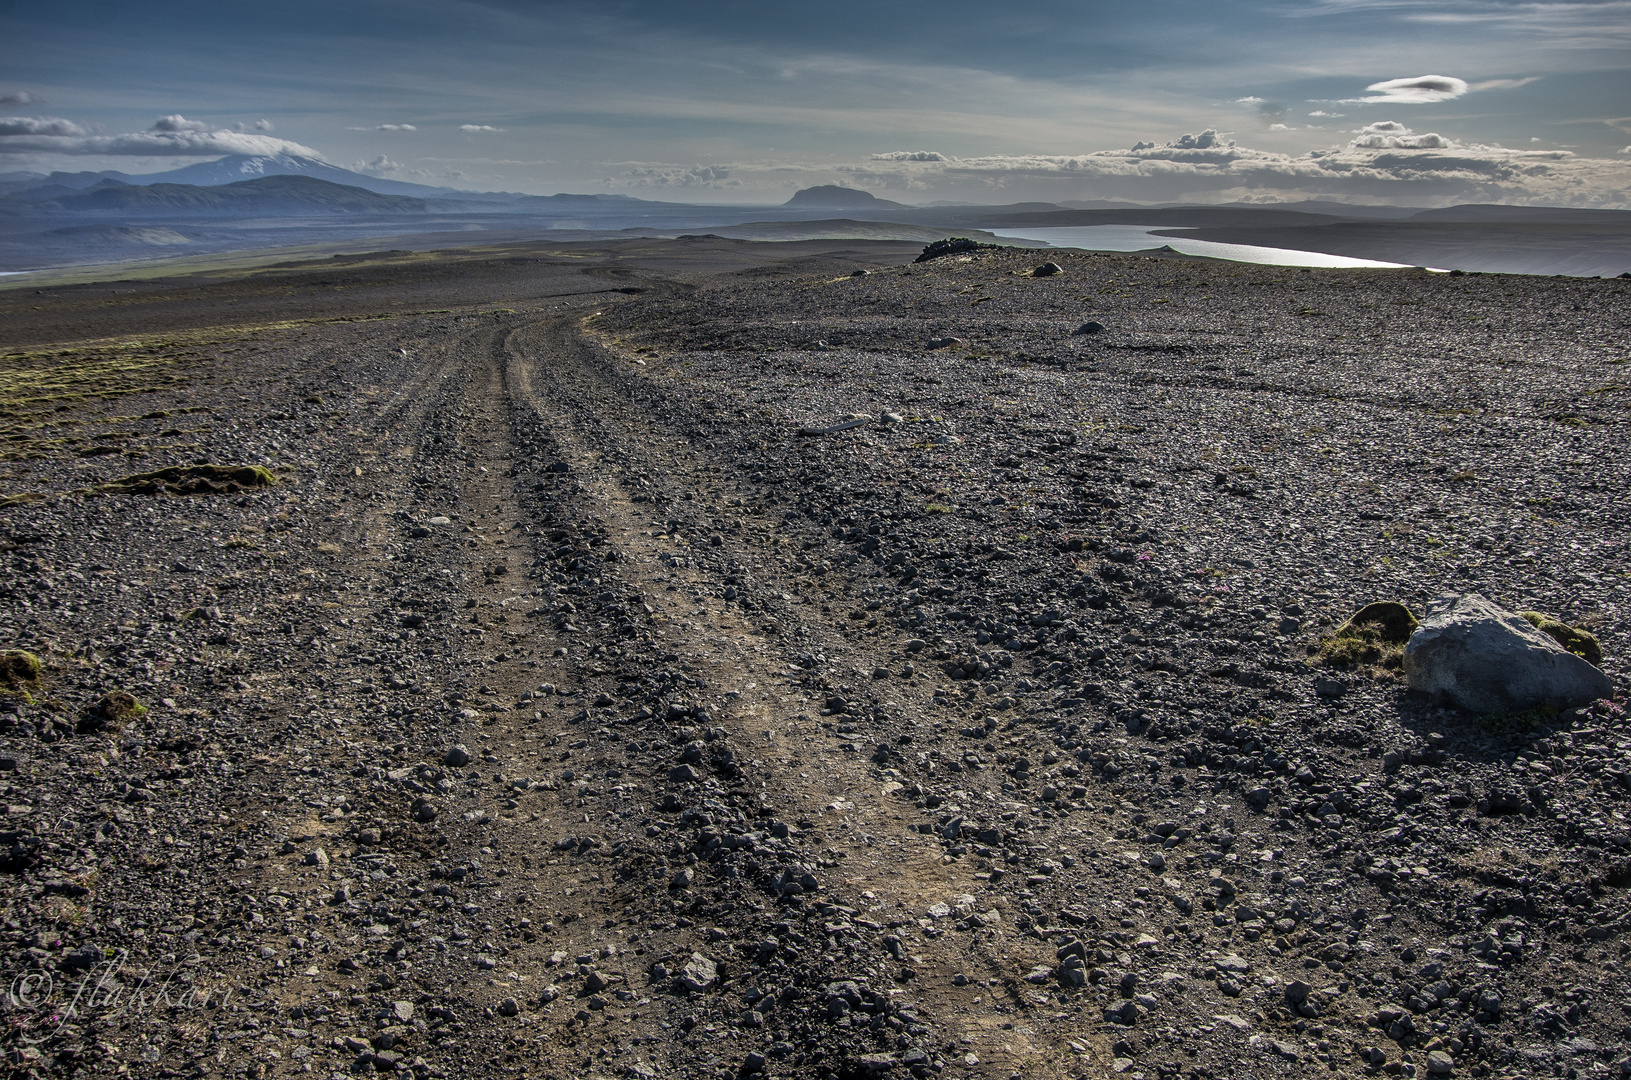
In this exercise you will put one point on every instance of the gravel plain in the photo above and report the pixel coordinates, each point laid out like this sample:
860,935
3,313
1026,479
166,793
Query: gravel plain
701,658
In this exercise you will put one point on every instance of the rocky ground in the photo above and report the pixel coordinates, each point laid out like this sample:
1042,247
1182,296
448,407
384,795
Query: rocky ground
698,659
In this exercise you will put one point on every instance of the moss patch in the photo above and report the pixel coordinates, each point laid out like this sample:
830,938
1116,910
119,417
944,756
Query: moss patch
1571,638
1375,635
19,671
189,480
111,713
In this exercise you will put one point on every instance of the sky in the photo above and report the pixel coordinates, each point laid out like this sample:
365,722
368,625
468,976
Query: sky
1412,102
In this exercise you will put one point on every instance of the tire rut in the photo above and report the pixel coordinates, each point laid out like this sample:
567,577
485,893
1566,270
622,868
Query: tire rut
879,862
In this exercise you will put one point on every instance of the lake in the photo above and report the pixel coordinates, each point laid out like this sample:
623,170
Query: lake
1142,238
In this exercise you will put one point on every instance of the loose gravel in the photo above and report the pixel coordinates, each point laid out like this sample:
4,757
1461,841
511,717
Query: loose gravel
672,665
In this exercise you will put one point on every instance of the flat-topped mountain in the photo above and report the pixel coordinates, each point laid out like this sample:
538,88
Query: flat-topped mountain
832,196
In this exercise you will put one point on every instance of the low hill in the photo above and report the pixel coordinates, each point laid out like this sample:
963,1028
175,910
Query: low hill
1545,215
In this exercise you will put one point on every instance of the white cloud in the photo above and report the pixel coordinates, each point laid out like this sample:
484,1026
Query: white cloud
18,97
39,125
1206,140
1392,135
385,167
263,125
478,127
1384,162
404,127
177,122
1421,90
1503,84
910,155
1330,115
636,175
170,136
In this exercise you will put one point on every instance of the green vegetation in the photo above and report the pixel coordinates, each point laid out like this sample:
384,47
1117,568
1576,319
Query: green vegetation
1375,635
33,381
19,672
1577,641
111,713
17,665
188,480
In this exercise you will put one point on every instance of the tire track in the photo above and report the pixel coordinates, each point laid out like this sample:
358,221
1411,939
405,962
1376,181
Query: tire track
850,803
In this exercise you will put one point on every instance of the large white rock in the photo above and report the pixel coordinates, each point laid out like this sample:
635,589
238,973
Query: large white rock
1473,654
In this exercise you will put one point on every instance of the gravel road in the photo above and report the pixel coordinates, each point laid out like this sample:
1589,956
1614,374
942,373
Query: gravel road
702,658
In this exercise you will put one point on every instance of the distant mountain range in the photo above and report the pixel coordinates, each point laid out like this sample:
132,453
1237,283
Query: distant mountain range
242,202
267,195
38,189
237,167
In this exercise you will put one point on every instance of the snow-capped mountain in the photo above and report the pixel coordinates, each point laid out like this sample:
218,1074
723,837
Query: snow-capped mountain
229,170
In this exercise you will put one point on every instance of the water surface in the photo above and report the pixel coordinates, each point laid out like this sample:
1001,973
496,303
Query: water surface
1142,238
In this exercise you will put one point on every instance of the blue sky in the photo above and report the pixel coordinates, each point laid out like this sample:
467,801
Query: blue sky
746,102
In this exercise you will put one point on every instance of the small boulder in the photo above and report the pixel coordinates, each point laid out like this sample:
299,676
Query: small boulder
699,973
457,758
1092,326
1048,269
1475,655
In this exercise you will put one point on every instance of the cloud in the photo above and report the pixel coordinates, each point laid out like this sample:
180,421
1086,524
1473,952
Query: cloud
478,127
910,155
1331,115
39,125
1503,84
405,127
1208,147
263,125
1384,162
1421,90
177,122
170,136
713,177
1270,112
1206,140
18,97
384,166
1392,135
